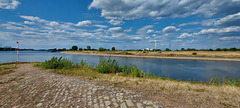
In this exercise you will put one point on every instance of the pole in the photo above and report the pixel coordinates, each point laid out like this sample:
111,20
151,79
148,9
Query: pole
155,44
17,52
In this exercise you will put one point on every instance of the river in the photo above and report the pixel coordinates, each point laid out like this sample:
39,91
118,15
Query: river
186,70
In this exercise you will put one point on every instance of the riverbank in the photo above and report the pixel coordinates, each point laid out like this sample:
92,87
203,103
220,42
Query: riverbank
202,55
31,86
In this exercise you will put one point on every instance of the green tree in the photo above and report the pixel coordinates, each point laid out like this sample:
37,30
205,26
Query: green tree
113,49
80,49
218,49
182,49
167,49
101,49
74,48
88,47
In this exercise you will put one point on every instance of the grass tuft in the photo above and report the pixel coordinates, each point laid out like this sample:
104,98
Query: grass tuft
57,63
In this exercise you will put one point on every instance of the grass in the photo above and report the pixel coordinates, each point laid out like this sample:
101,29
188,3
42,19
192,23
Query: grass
7,68
212,54
58,63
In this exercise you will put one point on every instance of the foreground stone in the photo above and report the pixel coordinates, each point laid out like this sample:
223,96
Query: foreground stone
40,88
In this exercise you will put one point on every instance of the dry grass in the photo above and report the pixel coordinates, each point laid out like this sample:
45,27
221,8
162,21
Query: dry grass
213,54
7,68
168,93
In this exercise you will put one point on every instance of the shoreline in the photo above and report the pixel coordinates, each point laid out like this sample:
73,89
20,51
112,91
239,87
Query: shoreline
158,57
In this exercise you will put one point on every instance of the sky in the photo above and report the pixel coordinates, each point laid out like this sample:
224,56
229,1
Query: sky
129,24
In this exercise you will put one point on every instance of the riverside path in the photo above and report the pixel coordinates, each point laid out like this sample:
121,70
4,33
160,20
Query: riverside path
32,87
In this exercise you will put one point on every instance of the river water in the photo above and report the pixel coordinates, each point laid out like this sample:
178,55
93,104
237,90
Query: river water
186,70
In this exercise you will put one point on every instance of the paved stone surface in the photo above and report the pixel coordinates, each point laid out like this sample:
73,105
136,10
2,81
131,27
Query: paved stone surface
34,87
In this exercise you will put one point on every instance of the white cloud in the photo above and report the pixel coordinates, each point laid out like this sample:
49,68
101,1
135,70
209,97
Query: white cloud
28,22
101,26
134,9
185,35
128,30
219,31
208,22
86,23
230,38
230,20
54,23
116,22
143,30
150,31
115,29
9,4
32,18
170,29
216,32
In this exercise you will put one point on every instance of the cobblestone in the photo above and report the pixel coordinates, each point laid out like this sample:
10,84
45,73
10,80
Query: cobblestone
41,88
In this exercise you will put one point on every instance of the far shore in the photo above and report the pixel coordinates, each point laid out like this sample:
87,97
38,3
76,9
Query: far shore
157,57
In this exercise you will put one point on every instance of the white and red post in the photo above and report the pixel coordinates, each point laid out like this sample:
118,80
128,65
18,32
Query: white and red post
17,52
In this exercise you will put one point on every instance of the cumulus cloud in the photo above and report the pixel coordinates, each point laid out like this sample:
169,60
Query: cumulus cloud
86,23
9,4
116,22
134,9
115,29
170,29
28,22
185,35
150,31
54,23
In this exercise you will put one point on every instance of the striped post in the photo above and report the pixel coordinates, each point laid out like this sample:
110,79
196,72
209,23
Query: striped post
17,52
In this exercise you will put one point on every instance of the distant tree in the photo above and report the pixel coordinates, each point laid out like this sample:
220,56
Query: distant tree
233,49
101,49
224,49
167,49
113,49
182,49
88,47
80,49
211,49
218,49
74,48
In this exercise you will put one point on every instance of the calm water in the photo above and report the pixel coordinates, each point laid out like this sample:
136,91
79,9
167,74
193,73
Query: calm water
187,70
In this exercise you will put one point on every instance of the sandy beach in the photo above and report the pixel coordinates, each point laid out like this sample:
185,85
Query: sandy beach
157,57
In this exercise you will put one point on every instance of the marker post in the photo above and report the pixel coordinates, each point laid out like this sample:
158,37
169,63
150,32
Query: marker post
17,52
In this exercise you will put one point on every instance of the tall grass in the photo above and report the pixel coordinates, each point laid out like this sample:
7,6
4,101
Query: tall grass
108,66
224,81
58,63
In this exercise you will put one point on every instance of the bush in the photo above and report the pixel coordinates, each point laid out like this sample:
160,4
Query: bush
194,53
57,63
108,66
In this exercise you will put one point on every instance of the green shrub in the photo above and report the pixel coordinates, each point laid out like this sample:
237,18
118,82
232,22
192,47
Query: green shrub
194,53
108,66
58,63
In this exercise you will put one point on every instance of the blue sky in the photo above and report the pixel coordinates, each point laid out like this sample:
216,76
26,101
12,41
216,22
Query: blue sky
135,24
